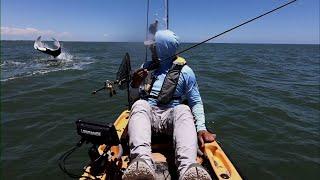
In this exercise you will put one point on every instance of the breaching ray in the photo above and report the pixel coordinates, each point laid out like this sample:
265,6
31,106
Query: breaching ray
40,46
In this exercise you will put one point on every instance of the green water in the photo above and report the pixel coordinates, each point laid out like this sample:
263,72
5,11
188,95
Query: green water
264,101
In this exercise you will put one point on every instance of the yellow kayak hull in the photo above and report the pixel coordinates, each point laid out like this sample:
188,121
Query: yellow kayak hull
218,162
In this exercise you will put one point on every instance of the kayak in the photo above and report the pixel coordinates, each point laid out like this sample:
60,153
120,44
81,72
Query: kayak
211,157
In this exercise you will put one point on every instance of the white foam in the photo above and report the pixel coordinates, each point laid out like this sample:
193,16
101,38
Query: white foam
41,66
65,56
10,63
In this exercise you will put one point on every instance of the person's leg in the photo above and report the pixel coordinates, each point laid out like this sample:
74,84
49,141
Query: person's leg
162,123
139,130
184,137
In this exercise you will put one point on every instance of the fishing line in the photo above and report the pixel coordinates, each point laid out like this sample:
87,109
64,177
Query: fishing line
235,27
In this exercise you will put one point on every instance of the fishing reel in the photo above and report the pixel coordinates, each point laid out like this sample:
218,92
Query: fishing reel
122,79
109,86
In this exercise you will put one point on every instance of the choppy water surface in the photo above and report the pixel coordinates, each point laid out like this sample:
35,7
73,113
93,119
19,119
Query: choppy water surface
263,100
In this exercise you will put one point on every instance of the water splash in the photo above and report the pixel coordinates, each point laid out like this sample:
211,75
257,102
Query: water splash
65,55
39,66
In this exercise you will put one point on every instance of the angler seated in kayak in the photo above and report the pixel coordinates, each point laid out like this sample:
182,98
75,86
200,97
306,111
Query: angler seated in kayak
159,110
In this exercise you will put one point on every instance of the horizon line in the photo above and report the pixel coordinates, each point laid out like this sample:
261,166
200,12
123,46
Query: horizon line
187,42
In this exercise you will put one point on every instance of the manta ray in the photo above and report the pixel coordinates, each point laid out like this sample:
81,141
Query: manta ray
42,47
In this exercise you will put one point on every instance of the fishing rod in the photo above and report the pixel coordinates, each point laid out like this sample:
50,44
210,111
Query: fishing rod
146,54
167,12
233,28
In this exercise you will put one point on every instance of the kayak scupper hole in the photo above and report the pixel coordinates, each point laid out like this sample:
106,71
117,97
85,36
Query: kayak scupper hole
225,176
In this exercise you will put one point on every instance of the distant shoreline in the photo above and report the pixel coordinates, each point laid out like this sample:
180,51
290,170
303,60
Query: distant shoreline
182,42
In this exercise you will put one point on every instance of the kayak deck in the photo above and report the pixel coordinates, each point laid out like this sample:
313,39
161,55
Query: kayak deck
213,158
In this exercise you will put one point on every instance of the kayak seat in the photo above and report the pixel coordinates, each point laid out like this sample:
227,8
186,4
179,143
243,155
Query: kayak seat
161,143
163,155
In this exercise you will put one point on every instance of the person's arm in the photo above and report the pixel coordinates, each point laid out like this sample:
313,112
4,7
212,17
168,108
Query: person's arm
196,105
194,99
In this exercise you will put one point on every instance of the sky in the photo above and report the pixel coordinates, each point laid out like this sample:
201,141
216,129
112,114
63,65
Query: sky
191,20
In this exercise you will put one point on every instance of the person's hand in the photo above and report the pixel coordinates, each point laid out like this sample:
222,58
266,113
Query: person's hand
138,77
205,136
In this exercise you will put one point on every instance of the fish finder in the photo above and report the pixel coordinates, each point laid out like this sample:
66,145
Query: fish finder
97,133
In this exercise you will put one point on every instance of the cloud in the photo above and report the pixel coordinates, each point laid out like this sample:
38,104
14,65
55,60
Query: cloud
105,35
31,32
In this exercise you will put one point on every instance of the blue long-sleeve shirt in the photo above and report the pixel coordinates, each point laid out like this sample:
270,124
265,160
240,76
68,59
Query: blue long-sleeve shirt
187,88
166,43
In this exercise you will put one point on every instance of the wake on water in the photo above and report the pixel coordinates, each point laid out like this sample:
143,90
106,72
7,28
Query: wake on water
13,69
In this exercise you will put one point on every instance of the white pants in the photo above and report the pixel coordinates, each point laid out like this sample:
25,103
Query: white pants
177,122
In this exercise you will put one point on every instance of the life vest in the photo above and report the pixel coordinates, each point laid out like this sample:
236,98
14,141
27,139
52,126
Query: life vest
170,83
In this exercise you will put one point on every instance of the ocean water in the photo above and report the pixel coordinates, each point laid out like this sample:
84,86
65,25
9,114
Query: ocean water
262,101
